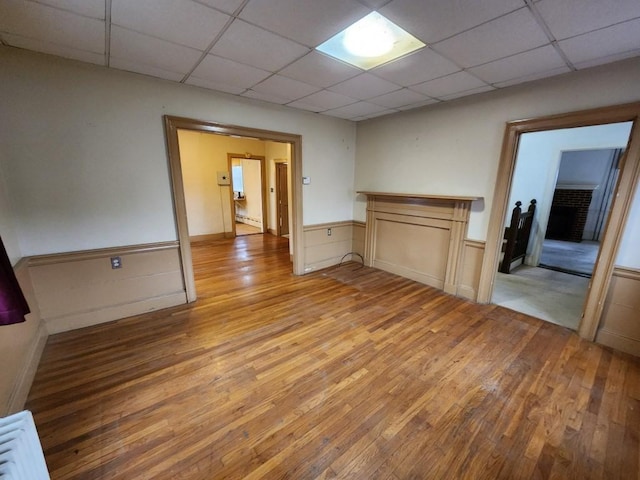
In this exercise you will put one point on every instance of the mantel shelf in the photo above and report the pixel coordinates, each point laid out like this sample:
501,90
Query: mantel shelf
456,198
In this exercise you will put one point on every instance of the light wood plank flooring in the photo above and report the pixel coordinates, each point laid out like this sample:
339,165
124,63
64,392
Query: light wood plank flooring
344,373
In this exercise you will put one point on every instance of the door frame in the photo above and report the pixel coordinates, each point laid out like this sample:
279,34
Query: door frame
277,186
627,181
172,124
263,188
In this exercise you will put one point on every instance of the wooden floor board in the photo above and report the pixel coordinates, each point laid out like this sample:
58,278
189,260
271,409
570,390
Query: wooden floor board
348,372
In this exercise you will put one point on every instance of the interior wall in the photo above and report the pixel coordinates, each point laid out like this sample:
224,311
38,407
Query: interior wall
454,148
202,156
588,167
537,166
85,152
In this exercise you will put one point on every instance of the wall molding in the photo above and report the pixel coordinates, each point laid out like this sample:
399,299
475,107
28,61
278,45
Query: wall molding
321,226
626,272
80,255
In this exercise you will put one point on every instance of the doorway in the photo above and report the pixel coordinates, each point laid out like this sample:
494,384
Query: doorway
172,126
629,174
561,169
248,194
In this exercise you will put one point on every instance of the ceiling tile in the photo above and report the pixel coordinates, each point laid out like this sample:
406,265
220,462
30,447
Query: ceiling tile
449,85
318,69
467,93
53,49
416,68
136,47
265,97
252,45
399,98
540,59
375,4
137,67
326,100
178,21
227,72
309,22
508,35
51,25
431,101
355,110
364,86
359,109
533,76
300,105
434,20
285,88
88,8
611,58
568,18
212,85
228,6
620,38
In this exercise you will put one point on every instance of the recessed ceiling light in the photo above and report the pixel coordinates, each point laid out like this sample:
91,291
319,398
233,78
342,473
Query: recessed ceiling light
371,41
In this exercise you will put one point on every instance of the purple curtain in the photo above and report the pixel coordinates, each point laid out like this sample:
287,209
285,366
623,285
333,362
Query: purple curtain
13,305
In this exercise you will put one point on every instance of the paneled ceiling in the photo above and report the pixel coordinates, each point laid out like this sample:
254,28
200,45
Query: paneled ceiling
264,49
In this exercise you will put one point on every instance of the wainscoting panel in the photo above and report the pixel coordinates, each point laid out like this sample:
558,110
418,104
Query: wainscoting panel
620,323
322,250
21,346
80,289
409,258
418,236
472,257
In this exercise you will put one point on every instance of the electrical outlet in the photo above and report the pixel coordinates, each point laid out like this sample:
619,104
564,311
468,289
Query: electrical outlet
116,262
328,232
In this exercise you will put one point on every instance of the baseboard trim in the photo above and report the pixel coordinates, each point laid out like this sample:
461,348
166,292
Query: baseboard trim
619,342
209,237
18,396
467,292
115,312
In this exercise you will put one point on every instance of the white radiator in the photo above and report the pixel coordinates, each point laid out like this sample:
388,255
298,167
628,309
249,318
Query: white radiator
21,456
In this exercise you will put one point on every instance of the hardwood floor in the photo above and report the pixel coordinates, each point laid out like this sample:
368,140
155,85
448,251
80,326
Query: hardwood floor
344,373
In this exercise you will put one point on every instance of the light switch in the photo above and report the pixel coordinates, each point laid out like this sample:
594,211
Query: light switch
306,180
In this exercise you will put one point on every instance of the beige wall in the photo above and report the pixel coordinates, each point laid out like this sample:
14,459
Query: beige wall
202,155
454,148
84,152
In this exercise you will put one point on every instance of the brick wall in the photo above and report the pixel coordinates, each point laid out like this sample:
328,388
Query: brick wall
568,217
